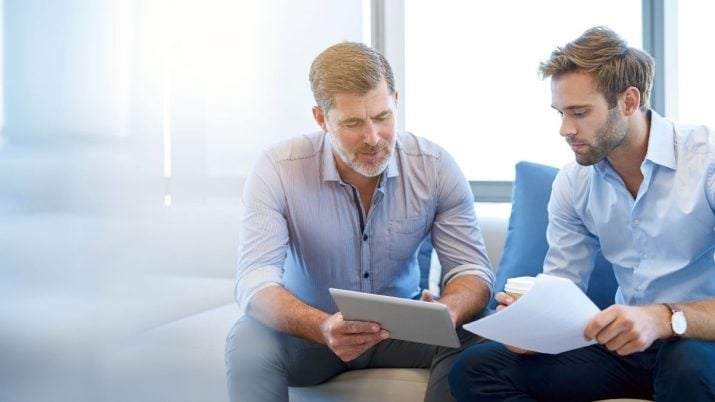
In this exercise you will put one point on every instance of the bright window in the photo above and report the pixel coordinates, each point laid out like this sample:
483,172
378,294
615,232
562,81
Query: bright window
696,59
471,75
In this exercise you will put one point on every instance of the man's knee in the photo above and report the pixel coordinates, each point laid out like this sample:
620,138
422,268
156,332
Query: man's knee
478,364
252,342
685,366
252,349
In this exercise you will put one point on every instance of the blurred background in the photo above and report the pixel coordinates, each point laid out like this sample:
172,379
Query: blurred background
128,126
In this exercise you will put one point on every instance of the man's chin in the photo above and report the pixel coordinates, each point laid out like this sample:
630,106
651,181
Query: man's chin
370,171
586,161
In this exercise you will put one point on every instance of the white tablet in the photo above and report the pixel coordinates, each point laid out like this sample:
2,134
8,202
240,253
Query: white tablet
406,319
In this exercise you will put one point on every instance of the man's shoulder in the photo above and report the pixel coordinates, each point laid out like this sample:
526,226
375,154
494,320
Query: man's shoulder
300,147
696,138
413,145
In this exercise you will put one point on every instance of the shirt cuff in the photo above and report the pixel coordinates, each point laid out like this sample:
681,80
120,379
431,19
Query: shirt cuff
252,281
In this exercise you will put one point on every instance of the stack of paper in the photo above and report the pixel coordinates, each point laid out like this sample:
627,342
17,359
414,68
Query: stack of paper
549,318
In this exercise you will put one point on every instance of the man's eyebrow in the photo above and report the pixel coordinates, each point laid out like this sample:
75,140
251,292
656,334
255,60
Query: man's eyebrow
383,114
350,120
571,107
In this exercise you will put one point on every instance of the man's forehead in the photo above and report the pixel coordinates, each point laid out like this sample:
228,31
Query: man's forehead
574,89
362,106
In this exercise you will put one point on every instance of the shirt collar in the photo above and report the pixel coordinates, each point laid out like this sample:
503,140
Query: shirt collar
661,142
661,145
329,168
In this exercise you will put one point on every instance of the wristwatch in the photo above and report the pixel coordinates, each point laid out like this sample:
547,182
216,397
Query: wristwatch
678,323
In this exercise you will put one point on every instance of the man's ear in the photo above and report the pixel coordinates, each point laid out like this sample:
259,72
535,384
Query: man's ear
631,100
320,118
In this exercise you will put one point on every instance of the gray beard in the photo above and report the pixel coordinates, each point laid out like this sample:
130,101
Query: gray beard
353,163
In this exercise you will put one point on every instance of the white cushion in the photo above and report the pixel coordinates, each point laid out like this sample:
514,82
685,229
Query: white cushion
367,386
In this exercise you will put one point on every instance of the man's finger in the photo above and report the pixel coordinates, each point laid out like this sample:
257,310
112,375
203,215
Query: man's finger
427,295
358,327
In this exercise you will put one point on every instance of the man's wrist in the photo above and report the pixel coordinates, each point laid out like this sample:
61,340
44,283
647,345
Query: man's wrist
676,321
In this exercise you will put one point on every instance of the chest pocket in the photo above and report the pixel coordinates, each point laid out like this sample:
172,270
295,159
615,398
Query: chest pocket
405,236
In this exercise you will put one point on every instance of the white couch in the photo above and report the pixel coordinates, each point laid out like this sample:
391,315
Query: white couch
139,307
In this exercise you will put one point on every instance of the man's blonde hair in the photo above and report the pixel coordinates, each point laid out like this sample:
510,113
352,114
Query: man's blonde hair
614,65
348,67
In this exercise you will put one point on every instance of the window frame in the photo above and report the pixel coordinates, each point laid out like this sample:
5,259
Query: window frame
659,40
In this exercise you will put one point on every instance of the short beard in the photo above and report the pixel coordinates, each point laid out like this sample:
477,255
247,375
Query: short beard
608,138
351,159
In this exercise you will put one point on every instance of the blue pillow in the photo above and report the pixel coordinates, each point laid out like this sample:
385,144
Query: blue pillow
525,245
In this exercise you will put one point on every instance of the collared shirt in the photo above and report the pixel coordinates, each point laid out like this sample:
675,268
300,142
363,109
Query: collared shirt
661,243
304,228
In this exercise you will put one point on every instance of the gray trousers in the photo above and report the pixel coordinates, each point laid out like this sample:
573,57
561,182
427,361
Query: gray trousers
262,363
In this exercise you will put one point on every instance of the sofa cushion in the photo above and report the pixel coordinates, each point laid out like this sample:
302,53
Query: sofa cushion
379,384
525,245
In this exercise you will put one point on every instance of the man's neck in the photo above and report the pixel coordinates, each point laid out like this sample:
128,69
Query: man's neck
628,158
365,185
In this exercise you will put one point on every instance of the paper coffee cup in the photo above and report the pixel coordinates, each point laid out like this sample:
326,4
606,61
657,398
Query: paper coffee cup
516,287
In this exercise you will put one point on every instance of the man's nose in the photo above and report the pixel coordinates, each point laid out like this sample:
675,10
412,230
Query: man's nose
567,127
371,135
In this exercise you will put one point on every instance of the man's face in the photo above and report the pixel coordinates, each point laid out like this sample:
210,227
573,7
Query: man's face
362,129
588,125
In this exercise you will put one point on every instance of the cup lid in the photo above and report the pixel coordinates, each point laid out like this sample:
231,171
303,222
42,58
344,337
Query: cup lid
521,283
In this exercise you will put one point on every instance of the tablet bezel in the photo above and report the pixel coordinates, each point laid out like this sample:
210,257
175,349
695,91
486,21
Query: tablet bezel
406,319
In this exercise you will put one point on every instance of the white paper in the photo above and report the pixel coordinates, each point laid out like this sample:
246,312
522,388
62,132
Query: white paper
549,318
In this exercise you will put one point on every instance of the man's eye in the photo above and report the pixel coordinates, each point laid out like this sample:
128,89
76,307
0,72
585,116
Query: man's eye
351,124
579,113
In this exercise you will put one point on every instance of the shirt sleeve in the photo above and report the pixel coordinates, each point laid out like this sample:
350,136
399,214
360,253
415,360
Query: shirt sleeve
456,234
572,247
263,233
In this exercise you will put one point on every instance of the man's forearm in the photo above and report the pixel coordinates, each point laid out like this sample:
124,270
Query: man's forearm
278,308
465,296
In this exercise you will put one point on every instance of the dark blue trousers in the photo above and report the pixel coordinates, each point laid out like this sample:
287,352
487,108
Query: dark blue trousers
681,370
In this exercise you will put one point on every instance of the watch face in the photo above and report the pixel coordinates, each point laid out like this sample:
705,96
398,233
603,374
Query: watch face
679,323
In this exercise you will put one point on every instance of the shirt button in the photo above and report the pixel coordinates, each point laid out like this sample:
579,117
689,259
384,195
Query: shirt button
364,237
366,275
637,222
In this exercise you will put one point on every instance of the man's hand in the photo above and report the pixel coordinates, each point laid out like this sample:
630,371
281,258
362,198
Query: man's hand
350,339
505,300
429,297
629,329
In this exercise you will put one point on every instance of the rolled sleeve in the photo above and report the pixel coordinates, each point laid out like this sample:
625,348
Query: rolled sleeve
484,273
251,282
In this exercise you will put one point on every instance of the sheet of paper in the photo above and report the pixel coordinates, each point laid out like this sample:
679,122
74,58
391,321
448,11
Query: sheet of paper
549,318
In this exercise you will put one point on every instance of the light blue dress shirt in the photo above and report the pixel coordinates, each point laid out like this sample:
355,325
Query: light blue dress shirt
304,228
661,243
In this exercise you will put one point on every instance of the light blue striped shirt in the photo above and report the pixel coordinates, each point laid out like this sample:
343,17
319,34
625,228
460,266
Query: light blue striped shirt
662,243
302,227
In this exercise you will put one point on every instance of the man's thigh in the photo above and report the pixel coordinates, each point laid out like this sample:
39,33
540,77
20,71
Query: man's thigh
269,354
588,374
585,374
684,371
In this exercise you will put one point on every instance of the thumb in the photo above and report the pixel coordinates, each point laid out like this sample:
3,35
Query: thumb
427,295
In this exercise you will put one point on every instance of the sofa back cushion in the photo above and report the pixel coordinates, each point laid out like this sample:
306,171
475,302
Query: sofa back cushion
525,245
